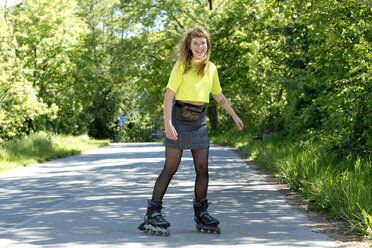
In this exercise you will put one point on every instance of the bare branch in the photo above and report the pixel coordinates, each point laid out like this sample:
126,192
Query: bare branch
192,17
175,19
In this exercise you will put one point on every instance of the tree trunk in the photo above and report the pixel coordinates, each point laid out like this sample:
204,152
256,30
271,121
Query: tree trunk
213,118
210,4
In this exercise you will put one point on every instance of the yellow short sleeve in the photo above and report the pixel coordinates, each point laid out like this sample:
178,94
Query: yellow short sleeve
175,77
216,87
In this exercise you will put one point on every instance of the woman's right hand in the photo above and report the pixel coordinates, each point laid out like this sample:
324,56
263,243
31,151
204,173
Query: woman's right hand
171,132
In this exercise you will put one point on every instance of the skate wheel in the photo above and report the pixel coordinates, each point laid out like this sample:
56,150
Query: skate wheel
167,232
198,228
218,231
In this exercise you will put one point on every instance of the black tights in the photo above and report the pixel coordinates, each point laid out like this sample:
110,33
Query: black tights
172,162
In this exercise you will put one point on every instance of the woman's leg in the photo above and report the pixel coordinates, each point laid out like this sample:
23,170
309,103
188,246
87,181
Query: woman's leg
172,161
201,167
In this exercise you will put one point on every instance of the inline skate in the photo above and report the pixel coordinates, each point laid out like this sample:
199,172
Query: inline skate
204,221
154,221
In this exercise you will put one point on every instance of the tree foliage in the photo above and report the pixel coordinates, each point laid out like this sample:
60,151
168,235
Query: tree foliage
299,66
19,103
328,79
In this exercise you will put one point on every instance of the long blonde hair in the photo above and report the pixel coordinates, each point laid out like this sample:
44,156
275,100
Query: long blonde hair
185,53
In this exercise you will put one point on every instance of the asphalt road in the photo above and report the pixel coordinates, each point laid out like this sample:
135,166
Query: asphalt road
98,199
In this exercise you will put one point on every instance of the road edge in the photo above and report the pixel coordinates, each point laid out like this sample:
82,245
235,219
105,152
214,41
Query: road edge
336,229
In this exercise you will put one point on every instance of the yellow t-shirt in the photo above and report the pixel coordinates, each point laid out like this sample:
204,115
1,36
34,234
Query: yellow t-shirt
191,86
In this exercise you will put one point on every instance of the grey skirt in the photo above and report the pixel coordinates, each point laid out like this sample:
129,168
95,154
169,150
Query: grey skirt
191,134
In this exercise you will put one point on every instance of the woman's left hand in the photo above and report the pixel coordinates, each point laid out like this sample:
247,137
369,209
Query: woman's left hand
239,124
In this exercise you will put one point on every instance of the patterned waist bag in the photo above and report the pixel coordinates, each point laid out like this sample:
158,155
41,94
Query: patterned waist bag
190,112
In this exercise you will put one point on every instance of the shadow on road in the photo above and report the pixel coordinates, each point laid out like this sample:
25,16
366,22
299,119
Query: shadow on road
98,199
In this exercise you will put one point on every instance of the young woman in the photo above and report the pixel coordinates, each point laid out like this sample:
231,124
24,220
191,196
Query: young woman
191,81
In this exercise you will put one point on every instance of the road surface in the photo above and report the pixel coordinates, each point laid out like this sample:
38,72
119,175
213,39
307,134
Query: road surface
98,199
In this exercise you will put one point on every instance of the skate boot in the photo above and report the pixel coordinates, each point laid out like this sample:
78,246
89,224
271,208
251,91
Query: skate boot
204,221
154,221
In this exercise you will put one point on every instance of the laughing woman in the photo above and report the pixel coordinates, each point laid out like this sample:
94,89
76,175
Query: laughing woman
191,81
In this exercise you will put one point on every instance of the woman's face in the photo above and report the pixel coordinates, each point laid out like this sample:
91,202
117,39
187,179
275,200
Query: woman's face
198,47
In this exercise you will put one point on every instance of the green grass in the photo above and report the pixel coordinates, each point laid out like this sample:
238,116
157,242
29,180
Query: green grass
41,147
342,186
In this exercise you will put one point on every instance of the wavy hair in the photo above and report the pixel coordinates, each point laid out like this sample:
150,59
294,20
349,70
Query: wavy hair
185,53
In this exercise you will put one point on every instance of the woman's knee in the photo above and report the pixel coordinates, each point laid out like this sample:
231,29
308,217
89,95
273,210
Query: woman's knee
202,170
169,170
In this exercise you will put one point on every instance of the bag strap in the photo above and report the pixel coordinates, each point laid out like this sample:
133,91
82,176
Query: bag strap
181,104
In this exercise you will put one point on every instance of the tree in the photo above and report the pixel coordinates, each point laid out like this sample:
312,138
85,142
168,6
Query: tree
49,37
19,103
327,77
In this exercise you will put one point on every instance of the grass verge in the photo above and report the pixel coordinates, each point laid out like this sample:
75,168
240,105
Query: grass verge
342,186
41,147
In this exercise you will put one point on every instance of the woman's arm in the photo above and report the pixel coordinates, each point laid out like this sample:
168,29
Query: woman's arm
222,101
170,131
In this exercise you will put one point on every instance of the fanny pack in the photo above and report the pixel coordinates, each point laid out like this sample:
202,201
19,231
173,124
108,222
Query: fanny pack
190,112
